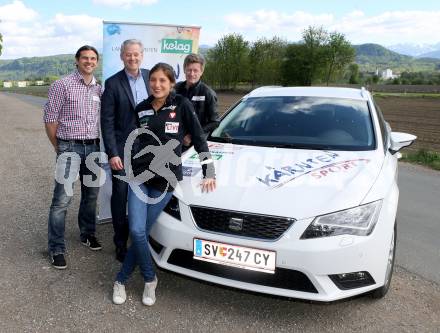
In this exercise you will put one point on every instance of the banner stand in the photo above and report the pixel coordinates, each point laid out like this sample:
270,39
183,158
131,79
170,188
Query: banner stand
162,43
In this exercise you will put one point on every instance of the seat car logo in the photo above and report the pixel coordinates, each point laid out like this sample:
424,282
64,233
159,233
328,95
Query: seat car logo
235,224
176,46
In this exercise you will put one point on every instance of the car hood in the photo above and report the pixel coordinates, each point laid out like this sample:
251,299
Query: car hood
294,183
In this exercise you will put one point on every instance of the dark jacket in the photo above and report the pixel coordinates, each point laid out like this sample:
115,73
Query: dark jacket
204,100
171,122
118,118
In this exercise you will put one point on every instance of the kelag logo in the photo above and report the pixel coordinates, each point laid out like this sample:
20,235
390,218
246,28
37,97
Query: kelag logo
176,45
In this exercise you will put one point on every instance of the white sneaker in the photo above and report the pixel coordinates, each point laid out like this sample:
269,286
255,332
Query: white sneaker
149,295
119,295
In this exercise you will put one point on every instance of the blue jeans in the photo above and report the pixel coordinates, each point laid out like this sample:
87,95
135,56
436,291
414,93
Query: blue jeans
141,218
69,168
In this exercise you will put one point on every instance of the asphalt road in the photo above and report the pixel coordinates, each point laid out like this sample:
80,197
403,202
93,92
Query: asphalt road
36,298
418,218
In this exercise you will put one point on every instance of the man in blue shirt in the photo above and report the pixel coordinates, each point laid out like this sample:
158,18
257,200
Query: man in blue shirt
123,91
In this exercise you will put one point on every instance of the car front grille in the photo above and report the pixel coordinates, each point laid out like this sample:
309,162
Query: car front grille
240,224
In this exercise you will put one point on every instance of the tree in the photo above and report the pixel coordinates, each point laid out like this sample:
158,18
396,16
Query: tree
354,73
339,53
1,44
265,60
304,63
51,78
294,67
227,62
314,39
320,57
396,80
375,79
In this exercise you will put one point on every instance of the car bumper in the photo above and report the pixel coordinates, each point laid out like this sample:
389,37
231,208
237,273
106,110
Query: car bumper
303,267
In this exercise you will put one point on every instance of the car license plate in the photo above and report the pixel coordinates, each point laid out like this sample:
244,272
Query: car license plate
233,255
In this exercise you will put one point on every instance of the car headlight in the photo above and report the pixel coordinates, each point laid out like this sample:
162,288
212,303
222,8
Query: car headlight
172,208
359,221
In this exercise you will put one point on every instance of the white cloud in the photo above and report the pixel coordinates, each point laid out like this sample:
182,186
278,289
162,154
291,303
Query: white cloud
126,4
385,28
392,27
83,25
16,11
271,22
26,34
240,21
356,14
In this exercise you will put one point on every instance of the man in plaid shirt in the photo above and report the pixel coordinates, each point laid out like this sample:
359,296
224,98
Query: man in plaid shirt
71,117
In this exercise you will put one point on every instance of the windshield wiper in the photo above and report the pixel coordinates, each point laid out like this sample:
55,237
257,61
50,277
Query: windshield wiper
300,146
220,139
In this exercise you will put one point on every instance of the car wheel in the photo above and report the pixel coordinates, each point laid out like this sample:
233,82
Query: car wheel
382,291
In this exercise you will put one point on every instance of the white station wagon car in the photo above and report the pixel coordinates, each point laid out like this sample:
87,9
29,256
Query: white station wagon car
306,198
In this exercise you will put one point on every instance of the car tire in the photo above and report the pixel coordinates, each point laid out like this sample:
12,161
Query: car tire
382,291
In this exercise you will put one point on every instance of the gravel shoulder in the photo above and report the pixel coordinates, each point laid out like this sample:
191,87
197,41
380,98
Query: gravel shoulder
37,298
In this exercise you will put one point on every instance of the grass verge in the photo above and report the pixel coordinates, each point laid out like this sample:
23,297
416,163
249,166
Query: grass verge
407,95
424,157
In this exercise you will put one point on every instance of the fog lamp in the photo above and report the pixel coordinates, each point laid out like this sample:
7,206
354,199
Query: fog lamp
345,281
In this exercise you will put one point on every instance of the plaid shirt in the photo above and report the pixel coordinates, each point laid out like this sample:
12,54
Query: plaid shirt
75,106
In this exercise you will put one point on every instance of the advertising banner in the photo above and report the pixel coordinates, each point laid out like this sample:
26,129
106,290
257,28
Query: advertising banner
162,43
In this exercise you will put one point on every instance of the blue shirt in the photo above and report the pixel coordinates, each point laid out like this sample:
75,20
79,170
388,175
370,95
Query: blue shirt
138,88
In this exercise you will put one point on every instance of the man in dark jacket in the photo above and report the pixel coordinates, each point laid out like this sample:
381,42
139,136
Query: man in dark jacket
201,95
123,91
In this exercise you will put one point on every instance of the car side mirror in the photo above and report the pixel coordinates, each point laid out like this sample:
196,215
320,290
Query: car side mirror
400,140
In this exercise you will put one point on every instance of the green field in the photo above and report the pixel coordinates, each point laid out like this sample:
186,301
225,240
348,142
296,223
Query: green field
32,90
42,92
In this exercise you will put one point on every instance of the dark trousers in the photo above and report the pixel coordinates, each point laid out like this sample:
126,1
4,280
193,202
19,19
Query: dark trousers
119,210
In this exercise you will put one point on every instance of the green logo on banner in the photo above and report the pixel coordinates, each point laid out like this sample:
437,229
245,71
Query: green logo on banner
176,45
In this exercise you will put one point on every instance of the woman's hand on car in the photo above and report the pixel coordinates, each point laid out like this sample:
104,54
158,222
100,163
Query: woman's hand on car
208,185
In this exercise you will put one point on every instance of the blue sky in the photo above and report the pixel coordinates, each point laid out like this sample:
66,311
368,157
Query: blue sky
43,27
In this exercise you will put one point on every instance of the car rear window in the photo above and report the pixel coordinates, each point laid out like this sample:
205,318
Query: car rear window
299,122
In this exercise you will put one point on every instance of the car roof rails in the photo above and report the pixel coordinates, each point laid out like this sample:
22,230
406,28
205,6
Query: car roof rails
364,92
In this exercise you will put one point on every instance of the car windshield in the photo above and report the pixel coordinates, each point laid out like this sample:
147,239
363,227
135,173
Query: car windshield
299,122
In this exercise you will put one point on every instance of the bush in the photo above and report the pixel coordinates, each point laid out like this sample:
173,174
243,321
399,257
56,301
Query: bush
424,157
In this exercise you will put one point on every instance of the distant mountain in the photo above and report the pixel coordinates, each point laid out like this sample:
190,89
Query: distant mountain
370,57
203,49
374,56
366,52
39,67
433,54
415,50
